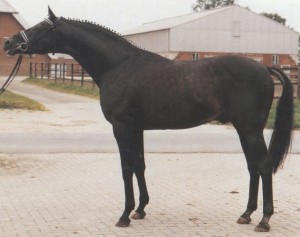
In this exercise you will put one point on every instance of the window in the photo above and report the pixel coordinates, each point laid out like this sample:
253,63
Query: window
195,56
275,59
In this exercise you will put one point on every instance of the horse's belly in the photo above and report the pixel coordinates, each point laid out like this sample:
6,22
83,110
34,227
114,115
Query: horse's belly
178,118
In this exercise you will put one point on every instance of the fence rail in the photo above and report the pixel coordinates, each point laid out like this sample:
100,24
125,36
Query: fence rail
73,73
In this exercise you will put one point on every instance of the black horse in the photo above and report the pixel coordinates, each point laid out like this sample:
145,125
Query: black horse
141,91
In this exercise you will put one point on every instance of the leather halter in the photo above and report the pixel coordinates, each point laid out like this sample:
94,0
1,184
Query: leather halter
27,42
24,47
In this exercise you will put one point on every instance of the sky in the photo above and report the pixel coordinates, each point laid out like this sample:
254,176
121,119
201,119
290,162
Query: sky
121,15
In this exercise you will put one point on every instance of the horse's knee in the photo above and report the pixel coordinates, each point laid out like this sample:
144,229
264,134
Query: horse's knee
127,173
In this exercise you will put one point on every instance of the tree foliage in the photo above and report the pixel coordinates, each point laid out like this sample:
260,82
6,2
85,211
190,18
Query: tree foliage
210,4
275,17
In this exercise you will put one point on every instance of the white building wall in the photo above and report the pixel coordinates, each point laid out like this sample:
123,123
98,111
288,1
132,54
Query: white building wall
235,30
156,41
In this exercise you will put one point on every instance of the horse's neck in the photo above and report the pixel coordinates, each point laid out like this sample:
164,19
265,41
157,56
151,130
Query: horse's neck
97,50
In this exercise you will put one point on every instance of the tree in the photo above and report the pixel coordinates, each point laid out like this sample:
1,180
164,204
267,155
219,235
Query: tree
210,4
274,17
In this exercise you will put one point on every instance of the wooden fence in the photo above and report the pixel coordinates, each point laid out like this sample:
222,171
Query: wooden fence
294,74
67,73
74,73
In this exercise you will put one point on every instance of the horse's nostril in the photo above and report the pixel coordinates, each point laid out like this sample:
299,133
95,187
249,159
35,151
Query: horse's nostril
7,43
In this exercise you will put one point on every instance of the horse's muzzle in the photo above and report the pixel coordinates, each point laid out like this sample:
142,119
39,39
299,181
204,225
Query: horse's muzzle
11,50
7,45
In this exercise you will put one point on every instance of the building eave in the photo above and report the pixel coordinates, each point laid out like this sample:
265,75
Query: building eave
5,7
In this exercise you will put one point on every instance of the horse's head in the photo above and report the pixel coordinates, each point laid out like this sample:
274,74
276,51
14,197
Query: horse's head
39,39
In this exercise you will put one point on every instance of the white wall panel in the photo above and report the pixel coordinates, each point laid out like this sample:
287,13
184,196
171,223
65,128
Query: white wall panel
232,30
157,41
219,33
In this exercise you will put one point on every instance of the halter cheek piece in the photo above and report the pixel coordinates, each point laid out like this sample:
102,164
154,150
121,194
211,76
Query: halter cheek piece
25,45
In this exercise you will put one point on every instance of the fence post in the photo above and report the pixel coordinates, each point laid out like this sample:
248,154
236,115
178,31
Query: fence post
64,72
55,72
30,70
72,73
82,76
298,84
49,70
35,72
60,71
42,70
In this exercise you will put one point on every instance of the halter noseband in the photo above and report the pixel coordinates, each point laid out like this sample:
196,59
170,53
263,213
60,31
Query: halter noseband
25,45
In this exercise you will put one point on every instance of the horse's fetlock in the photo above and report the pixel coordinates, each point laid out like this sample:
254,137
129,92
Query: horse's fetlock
144,200
268,212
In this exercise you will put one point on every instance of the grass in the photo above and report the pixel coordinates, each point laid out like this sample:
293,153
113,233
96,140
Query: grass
66,87
10,100
271,118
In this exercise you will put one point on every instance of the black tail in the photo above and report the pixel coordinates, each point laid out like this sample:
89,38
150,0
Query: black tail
284,122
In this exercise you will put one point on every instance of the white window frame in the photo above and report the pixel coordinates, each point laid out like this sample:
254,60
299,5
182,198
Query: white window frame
275,59
195,56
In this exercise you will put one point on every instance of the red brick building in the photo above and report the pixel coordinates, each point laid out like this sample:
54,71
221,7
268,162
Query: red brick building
10,23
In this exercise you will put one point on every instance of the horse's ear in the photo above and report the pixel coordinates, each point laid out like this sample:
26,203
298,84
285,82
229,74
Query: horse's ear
52,17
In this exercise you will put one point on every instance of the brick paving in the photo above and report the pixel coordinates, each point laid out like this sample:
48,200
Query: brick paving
190,195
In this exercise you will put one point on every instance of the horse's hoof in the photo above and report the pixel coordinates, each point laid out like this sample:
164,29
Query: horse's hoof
243,220
123,222
138,215
262,227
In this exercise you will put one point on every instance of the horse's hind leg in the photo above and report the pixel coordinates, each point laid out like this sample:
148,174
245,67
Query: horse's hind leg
253,187
259,164
268,208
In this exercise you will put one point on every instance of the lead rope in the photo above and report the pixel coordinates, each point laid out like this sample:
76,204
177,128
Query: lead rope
12,74
23,47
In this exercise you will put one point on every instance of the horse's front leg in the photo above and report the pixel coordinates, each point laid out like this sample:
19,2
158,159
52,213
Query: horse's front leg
128,142
140,175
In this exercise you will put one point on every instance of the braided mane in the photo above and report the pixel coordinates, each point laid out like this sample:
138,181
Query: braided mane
102,28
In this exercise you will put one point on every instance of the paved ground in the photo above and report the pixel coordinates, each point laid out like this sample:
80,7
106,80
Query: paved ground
73,192
190,195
